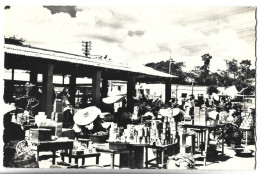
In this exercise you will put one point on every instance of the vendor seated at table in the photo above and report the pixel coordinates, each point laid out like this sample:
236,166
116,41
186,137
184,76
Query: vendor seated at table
87,121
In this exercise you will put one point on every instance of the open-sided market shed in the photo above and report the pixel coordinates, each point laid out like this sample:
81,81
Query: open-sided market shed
49,62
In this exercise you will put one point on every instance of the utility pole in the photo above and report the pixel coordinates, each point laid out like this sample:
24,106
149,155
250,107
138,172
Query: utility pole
86,47
170,61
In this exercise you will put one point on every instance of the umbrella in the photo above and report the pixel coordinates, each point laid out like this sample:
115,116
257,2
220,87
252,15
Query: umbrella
87,115
8,108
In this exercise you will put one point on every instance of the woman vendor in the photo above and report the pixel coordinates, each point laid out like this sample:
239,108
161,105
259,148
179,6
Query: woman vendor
87,121
67,107
30,101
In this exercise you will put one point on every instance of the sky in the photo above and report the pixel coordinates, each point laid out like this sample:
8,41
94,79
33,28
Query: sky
140,34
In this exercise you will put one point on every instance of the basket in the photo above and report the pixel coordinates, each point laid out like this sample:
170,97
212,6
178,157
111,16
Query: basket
243,153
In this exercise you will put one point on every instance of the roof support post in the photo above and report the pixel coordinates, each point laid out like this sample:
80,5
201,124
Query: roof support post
104,89
72,89
167,90
131,92
12,74
47,85
96,79
33,76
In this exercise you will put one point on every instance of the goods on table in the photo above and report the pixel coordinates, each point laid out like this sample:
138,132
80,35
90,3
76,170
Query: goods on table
68,133
200,116
99,137
159,133
163,133
40,134
248,121
137,134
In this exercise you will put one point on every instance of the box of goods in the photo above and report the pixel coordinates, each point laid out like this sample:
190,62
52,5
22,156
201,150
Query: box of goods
185,149
40,134
118,145
77,152
58,116
52,128
58,132
68,133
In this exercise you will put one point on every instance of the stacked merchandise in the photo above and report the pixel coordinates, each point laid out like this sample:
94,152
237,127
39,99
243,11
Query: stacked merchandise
163,133
248,121
159,133
136,134
114,132
248,124
200,116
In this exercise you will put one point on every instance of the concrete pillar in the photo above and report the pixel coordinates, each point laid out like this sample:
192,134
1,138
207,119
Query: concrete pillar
72,89
47,84
12,74
104,89
33,76
131,92
96,79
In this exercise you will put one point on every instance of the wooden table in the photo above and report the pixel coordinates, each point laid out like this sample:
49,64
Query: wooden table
82,156
207,129
162,149
112,152
59,144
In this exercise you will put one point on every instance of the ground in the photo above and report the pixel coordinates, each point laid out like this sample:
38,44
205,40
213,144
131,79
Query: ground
228,161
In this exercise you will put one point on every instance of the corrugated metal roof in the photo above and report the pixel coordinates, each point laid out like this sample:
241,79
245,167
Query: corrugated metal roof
66,57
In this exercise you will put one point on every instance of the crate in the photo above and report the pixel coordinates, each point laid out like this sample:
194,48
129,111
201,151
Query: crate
77,152
68,133
118,145
40,134
52,128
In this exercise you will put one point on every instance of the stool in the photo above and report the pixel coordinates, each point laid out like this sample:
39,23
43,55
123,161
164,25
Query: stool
82,156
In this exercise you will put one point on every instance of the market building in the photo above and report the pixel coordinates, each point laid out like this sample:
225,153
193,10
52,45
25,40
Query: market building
142,132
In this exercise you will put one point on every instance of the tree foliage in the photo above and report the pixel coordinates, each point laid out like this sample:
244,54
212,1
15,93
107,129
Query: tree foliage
236,73
176,69
15,41
212,89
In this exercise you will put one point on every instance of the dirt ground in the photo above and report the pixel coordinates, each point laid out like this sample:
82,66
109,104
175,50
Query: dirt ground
228,161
